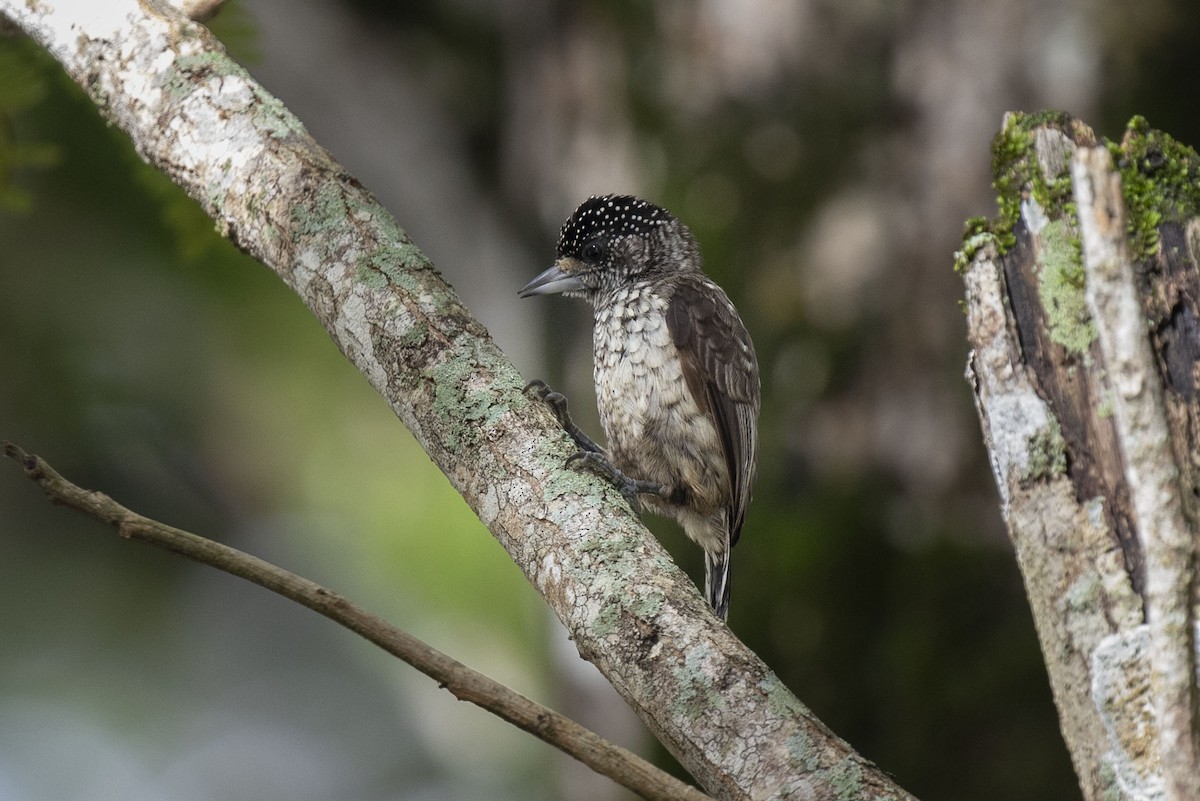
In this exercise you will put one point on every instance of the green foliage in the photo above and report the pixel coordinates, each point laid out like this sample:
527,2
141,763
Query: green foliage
237,30
1017,178
23,84
193,232
28,77
1160,181
1010,174
977,233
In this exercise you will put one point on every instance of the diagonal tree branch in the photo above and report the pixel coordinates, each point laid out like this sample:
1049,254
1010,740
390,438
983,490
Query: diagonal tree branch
201,119
465,684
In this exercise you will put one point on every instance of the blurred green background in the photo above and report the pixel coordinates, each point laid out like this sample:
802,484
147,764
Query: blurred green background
825,153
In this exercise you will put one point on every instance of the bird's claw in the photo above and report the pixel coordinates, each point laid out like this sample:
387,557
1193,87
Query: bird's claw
555,400
541,386
591,454
630,487
558,405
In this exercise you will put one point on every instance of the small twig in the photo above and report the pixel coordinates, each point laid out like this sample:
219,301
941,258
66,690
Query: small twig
620,764
1150,467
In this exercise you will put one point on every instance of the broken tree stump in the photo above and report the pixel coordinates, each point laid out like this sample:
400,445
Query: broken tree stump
1083,313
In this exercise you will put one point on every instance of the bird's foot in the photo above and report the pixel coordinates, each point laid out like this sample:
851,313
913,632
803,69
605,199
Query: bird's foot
558,404
630,487
591,454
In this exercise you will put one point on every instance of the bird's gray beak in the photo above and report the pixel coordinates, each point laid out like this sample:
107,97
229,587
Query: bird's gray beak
551,282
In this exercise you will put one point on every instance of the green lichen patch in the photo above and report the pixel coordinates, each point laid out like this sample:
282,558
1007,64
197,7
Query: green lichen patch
272,116
1061,283
801,748
389,229
1160,181
697,694
392,262
846,778
1085,592
324,216
181,79
648,606
464,411
268,111
642,607
783,703
607,621
1110,783
395,259
366,273
1047,452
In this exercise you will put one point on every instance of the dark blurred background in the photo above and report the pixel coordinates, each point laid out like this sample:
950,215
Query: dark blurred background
825,153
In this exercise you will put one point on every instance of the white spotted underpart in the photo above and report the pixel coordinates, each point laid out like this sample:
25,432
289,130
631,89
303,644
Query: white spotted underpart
641,393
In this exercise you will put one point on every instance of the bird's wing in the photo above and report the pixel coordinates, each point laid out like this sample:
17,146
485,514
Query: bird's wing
721,371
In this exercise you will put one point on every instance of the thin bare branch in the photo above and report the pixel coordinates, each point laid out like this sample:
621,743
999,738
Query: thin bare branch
466,684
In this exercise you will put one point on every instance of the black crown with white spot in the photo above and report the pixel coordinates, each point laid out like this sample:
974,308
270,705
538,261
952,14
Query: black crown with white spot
612,215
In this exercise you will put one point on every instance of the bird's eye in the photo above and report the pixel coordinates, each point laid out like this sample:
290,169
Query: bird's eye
594,252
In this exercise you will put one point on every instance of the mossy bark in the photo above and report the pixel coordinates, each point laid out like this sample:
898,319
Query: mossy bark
1111,581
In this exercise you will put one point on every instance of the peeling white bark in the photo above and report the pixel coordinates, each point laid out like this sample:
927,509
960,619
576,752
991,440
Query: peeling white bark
1150,468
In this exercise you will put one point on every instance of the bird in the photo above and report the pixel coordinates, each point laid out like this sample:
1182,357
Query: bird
677,379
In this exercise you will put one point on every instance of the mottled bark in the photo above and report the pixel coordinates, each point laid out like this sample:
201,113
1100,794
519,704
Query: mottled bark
202,120
1081,308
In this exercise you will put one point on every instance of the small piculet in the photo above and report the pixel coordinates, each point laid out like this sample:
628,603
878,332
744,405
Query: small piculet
677,380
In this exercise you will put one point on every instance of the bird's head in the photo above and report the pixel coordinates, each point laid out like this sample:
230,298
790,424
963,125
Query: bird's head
611,241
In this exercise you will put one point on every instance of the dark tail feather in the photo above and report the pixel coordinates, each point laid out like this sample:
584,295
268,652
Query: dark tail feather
716,581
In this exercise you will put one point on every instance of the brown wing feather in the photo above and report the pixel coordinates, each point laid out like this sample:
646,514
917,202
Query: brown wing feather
721,371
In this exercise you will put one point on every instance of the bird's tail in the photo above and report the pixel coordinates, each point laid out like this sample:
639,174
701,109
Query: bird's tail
716,578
